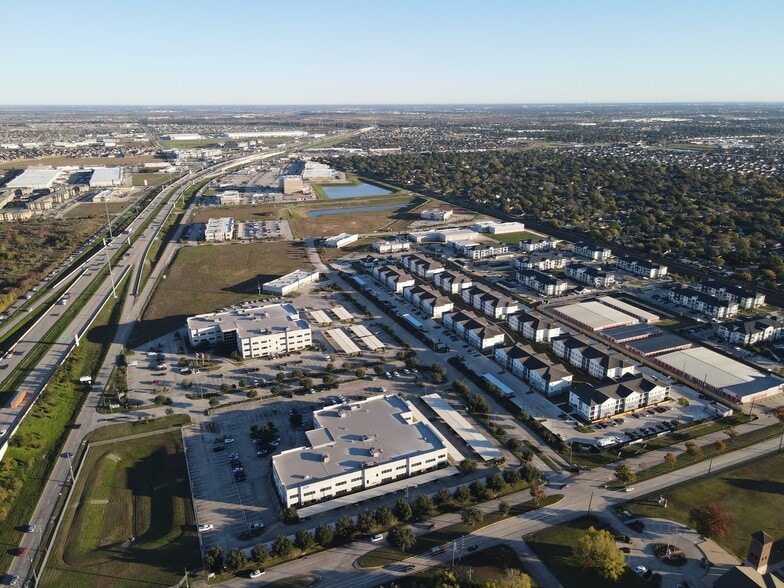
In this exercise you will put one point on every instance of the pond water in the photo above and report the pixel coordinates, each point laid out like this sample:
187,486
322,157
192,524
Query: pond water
354,191
314,213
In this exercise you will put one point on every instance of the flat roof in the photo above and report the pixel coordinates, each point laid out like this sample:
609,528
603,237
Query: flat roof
107,174
455,421
341,313
320,317
367,338
34,177
497,383
720,372
356,429
342,341
292,278
657,345
621,334
643,314
249,321
595,315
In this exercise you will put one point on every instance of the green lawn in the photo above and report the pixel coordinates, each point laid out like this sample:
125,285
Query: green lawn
514,238
555,546
752,495
139,490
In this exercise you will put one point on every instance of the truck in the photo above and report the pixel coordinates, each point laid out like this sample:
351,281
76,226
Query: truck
18,398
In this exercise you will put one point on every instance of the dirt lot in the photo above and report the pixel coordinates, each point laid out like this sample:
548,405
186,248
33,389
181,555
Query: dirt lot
63,160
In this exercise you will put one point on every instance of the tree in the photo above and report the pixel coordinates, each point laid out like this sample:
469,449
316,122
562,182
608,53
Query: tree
719,445
466,466
442,497
384,516
504,508
478,490
297,374
275,390
461,494
670,458
303,539
169,411
328,379
365,521
624,474
514,444
213,559
402,538
423,506
779,414
329,368
236,560
471,516
344,527
530,473
214,401
447,579
512,578
282,546
511,476
710,520
477,404
360,372
307,382
242,383
290,515
731,432
259,553
461,388
324,535
693,449
596,549
279,377
537,492
224,388
252,393
495,482
296,420
378,370
403,510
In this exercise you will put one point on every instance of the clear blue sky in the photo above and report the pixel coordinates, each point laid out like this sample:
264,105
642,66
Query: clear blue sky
390,52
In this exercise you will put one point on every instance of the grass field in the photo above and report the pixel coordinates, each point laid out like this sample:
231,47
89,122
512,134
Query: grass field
555,546
514,238
153,179
62,160
126,490
97,209
752,495
205,278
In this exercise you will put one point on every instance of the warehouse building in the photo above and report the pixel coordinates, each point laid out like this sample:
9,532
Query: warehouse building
291,282
105,177
341,240
356,446
253,331
34,178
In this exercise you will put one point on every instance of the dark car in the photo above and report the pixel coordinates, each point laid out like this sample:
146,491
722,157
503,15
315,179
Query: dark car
473,548
218,448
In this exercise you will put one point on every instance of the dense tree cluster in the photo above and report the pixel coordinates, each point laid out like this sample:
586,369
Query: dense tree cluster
697,213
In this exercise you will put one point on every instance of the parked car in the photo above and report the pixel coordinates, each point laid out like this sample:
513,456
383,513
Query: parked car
205,527
257,574
376,538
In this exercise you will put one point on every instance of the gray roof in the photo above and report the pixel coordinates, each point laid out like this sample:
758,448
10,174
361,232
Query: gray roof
248,322
356,429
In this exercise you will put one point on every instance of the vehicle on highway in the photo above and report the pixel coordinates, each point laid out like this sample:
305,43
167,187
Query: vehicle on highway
473,548
29,528
21,551
432,527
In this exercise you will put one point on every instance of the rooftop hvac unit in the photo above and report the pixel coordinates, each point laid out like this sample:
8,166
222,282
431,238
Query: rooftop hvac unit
325,457
375,452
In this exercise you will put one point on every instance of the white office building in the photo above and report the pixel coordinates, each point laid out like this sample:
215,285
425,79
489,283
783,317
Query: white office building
341,240
219,229
259,331
355,446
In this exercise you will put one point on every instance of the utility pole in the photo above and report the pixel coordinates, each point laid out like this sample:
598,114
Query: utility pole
590,500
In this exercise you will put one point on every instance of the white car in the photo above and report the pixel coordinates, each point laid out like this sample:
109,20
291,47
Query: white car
376,538
205,527
257,573
640,569
629,489
3,432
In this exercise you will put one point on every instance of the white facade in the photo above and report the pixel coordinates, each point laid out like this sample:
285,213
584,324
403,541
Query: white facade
391,246
254,331
594,252
341,240
356,446
104,177
610,399
219,229
436,214
291,282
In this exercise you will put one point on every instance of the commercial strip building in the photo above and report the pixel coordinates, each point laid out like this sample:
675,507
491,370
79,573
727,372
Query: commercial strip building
356,446
260,331
219,229
436,214
291,282
341,240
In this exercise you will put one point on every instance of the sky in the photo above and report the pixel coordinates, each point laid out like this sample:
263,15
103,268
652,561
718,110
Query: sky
186,52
